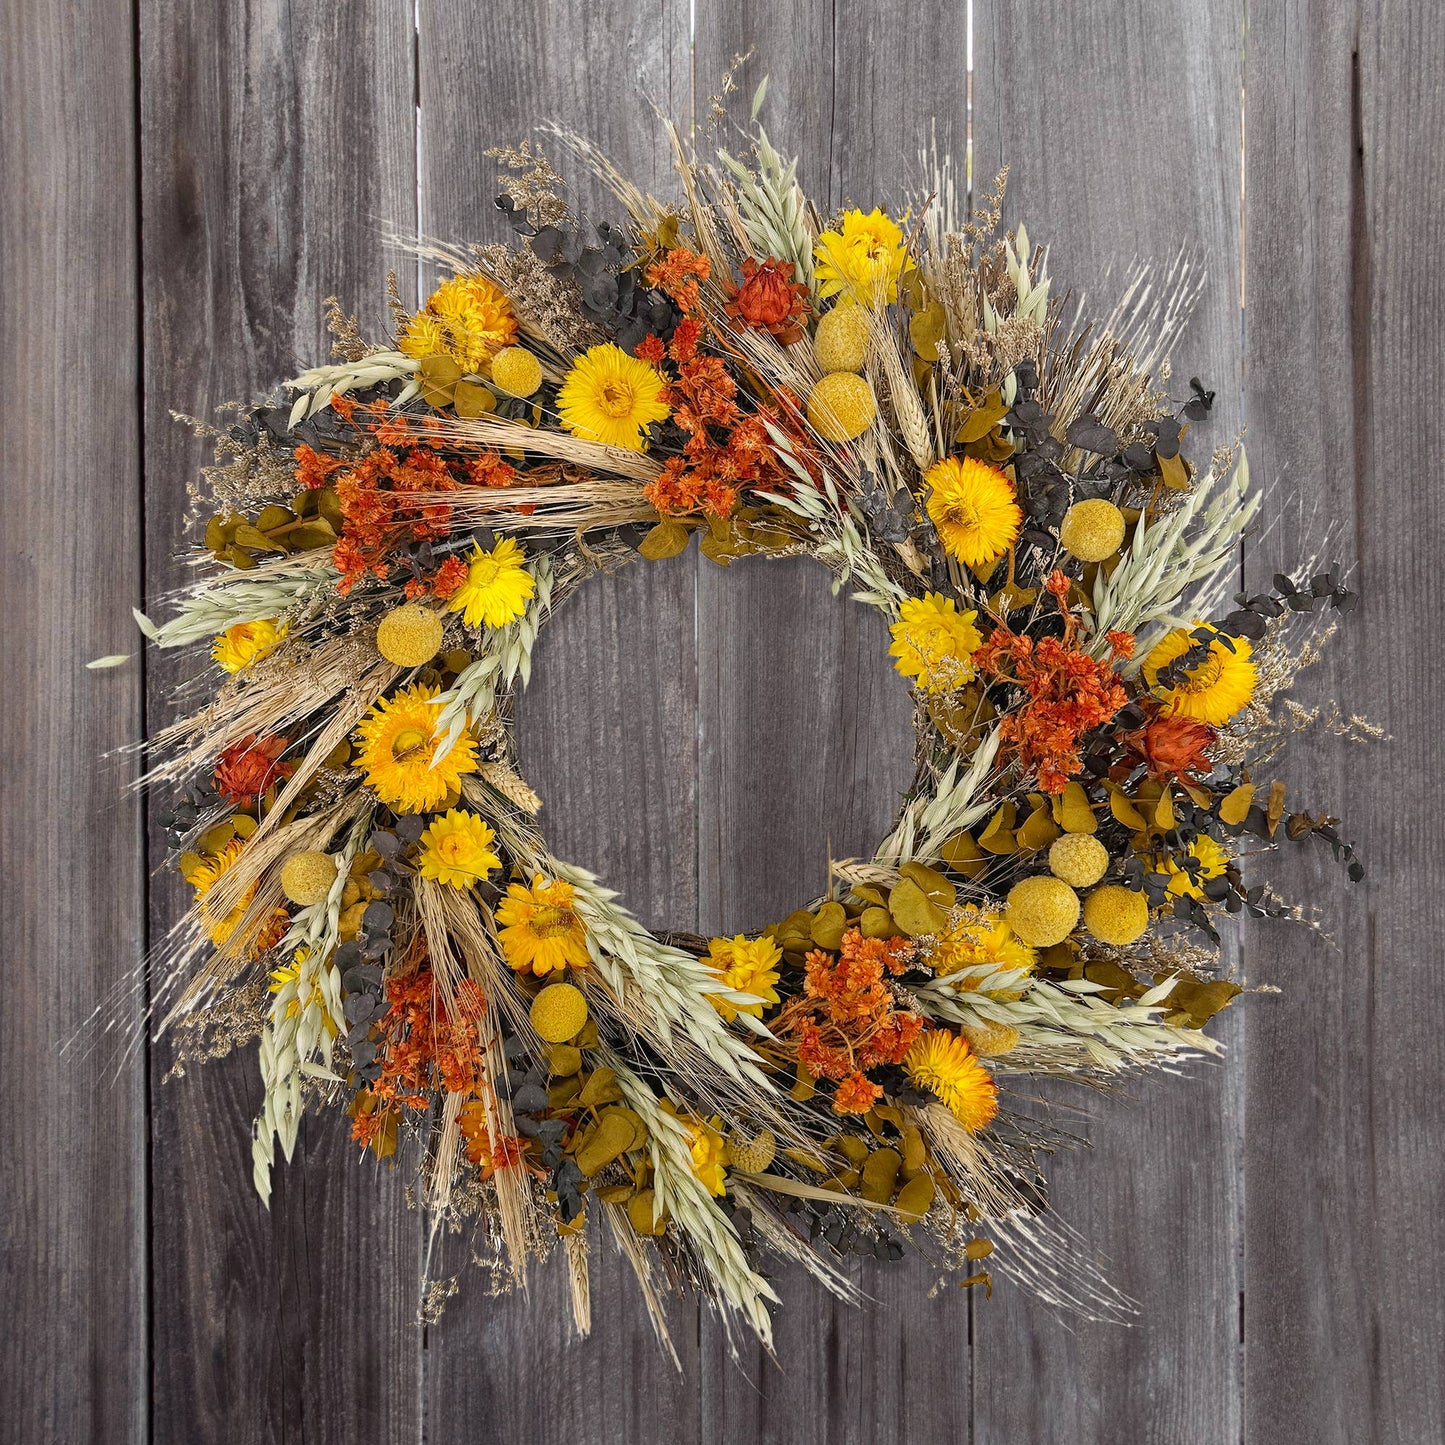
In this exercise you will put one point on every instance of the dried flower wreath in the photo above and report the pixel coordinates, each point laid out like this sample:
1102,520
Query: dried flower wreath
906,402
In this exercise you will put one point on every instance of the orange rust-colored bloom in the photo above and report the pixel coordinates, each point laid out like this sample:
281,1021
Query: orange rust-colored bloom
1176,746
769,299
248,767
678,274
846,1022
856,1094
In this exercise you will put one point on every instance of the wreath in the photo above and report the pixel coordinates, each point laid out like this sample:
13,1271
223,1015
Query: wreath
898,394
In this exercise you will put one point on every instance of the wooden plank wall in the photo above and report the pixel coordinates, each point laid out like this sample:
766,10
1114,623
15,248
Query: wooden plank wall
183,185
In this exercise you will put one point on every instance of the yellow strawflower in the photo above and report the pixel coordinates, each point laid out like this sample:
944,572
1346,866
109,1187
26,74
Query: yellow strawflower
612,397
1211,860
467,318
497,588
749,965
457,849
1212,690
862,260
980,936
973,508
943,1063
933,642
708,1150
397,746
245,643
203,875
540,929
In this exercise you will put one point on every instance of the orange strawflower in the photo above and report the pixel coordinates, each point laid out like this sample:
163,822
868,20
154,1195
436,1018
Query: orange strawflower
249,767
769,299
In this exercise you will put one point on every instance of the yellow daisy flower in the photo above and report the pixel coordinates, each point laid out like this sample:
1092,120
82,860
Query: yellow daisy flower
497,588
457,849
1212,690
397,745
1211,860
245,643
943,1063
934,643
203,875
709,1153
540,929
749,965
612,397
864,259
972,506
467,318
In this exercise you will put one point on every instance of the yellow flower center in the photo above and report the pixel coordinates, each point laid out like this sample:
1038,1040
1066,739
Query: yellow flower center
962,514
615,399
548,921
407,742
1201,677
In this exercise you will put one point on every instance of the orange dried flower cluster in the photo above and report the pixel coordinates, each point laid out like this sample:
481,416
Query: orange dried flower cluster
845,1023
1069,694
379,492
678,275
248,767
487,1153
712,470
425,1045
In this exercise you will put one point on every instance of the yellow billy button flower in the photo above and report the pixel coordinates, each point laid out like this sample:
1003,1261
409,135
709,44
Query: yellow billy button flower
611,397
516,371
1116,915
245,643
863,259
540,929
841,407
1212,690
943,1063
457,849
749,965
497,588
397,747
972,507
409,635
1042,910
934,643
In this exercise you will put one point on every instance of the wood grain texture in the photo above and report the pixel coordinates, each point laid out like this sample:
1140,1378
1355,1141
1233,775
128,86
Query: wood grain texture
73,1130
1121,124
606,730
1344,1281
806,729
277,145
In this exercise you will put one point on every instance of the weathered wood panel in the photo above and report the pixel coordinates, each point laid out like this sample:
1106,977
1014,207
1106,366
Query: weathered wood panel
806,729
73,1130
1121,123
1344,1326
606,730
277,143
